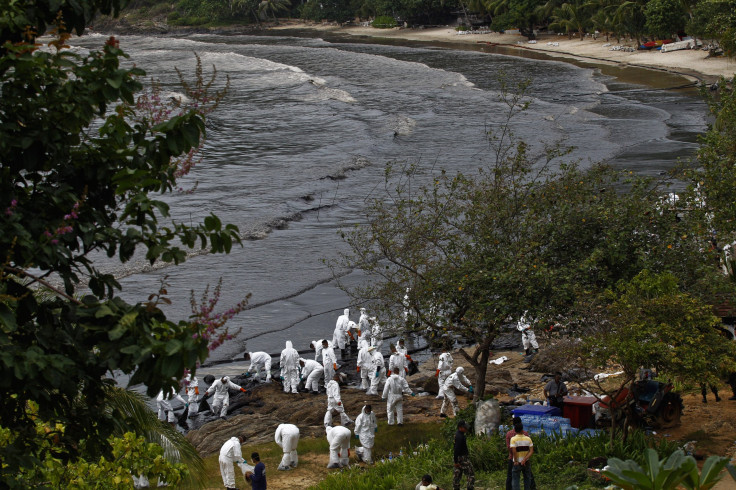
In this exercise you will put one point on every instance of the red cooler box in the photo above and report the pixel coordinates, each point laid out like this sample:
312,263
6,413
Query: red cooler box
579,409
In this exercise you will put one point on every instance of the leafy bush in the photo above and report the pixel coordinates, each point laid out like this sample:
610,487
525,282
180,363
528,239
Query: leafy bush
384,22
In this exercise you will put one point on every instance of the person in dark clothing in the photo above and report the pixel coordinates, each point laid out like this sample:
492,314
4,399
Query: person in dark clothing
257,478
509,435
462,458
713,388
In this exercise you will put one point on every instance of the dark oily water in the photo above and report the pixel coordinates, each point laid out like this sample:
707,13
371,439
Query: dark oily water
300,144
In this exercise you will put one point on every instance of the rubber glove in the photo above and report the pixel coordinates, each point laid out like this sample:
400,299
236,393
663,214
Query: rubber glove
247,375
334,365
339,403
358,369
281,378
437,374
378,373
196,390
413,394
357,436
186,405
470,389
243,390
375,430
388,373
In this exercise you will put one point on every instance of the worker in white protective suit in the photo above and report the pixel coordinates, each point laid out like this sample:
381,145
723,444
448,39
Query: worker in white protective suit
287,437
289,368
365,430
192,390
329,361
259,361
221,399
230,454
163,403
364,364
339,440
317,346
364,326
378,370
455,380
311,373
376,334
334,402
340,335
396,363
528,338
444,369
393,393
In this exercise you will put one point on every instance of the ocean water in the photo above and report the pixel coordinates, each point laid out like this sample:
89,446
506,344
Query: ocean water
300,143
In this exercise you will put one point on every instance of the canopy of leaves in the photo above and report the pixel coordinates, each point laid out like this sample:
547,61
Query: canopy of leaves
78,169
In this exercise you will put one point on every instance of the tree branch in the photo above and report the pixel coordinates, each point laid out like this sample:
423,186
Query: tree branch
21,272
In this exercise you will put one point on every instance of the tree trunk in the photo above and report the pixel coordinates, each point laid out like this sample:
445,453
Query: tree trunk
479,361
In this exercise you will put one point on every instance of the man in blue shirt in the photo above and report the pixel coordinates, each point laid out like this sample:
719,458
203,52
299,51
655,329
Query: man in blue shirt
257,478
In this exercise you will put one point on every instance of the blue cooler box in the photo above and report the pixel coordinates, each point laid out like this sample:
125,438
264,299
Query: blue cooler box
538,410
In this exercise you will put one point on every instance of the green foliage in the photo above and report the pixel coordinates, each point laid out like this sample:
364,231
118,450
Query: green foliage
716,19
130,455
332,10
80,165
654,324
384,22
664,18
676,471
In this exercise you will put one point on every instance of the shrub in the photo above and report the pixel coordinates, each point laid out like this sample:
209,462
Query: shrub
384,22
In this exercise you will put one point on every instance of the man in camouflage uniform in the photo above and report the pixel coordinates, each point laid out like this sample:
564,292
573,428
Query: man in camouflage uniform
462,458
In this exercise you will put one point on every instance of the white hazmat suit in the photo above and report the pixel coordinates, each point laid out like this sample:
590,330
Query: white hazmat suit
311,373
163,403
192,390
365,428
376,334
444,369
317,346
340,335
335,403
221,399
260,361
393,393
528,337
455,380
364,326
378,371
339,439
290,368
230,454
397,364
329,362
287,437
364,365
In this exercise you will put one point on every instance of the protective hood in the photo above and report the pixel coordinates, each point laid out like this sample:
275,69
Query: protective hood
362,310
352,325
288,344
301,359
346,311
363,411
460,370
225,379
363,344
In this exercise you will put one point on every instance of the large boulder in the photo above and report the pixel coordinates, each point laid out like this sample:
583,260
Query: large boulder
487,416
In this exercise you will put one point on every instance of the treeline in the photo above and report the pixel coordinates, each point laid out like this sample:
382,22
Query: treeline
633,19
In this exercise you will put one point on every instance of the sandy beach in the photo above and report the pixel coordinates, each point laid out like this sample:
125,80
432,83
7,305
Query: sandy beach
691,63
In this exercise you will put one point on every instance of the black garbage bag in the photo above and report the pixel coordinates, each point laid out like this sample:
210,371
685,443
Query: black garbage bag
183,418
413,367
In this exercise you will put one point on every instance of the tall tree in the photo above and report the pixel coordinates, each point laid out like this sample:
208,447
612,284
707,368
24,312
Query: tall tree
80,166
474,252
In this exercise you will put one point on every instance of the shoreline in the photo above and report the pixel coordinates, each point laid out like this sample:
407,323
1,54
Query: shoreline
690,64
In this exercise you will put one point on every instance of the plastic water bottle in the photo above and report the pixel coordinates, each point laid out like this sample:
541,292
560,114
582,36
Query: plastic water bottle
390,456
401,452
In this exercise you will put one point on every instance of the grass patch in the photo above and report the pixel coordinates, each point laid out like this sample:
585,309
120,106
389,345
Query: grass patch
388,439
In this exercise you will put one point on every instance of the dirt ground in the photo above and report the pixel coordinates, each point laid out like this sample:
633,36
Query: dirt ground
712,426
